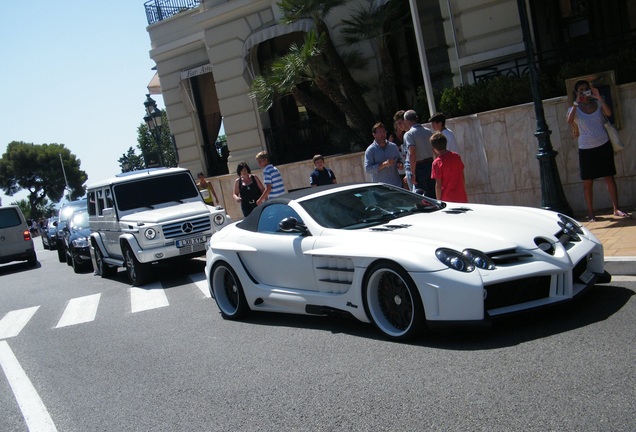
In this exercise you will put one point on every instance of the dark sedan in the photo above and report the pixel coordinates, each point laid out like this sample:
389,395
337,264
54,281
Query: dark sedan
76,234
49,234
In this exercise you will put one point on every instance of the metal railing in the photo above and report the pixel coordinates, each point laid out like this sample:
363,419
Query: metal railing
159,10
553,59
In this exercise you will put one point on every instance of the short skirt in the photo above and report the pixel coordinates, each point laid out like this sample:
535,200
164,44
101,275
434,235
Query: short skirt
597,162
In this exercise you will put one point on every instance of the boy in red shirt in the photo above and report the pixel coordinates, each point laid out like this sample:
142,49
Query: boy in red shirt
448,172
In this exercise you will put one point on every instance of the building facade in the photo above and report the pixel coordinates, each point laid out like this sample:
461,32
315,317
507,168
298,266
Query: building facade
207,53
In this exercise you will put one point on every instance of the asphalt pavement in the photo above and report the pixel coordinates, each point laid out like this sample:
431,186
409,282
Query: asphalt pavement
618,235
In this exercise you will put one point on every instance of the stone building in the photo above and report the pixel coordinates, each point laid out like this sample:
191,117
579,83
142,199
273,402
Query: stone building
207,53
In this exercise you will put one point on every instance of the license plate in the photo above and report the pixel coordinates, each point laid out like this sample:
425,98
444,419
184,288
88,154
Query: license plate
191,241
586,276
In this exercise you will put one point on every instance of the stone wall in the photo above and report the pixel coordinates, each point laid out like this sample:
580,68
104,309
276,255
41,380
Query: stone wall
499,151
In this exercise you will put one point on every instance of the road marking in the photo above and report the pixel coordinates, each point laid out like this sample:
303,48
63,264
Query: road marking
33,410
79,310
148,297
623,278
201,282
14,321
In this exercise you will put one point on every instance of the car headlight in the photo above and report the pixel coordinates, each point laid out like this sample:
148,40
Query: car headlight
150,233
570,227
81,242
454,260
219,219
479,259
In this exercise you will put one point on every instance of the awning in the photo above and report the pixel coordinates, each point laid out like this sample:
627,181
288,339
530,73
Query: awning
304,25
154,86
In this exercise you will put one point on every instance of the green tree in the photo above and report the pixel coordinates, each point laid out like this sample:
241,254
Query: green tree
130,161
46,209
37,168
331,72
303,64
372,22
147,143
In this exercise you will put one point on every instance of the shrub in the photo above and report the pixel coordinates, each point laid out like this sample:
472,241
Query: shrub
504,91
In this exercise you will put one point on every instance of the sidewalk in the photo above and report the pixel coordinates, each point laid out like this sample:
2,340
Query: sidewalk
618,236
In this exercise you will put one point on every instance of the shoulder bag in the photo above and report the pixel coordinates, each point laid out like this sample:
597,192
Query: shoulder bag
614,137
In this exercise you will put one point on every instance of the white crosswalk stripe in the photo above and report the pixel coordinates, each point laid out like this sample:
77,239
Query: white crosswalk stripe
201,282
84,309
148,297
14,321
79,310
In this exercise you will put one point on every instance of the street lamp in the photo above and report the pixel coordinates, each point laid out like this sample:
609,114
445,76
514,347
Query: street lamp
552,195
153,121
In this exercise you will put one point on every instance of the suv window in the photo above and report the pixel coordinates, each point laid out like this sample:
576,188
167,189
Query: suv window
9,218
153,191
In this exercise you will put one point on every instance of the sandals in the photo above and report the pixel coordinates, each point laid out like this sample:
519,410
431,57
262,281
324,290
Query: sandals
620,213
590,218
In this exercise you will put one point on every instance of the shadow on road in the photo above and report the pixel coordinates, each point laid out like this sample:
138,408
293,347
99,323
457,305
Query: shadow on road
598,304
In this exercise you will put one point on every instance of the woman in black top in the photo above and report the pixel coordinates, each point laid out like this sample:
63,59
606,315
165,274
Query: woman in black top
247,188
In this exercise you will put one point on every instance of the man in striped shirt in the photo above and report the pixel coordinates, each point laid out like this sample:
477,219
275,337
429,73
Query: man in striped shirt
272,179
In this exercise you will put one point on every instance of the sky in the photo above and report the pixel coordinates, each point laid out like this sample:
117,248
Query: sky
74,73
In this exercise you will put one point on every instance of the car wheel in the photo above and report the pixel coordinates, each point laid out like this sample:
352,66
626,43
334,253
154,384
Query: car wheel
138,273
103,268
228,292
69,258
61,254
77,267
44,244
392,301
33,259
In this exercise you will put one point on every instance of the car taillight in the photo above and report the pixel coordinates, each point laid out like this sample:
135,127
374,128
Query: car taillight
27,235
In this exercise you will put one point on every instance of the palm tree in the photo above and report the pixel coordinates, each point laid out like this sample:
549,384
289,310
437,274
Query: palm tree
371,22
299,69
359,115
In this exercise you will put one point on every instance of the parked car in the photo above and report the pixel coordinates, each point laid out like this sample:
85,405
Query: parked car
76,234
397,259
66,211
141,219
49,234
16,243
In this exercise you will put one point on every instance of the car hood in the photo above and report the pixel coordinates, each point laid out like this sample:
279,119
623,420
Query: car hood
169,213
482,227
77,233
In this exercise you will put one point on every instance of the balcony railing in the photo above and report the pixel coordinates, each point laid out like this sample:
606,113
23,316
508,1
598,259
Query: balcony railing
159,10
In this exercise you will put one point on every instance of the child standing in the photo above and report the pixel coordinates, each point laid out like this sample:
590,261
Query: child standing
448,172
321,175
271,178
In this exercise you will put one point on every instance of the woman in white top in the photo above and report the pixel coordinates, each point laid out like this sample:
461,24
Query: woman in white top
596,156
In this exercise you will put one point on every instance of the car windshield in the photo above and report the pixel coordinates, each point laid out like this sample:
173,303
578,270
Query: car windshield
151,191
367,206
79,221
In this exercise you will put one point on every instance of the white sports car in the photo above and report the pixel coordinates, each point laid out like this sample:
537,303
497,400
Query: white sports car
394,258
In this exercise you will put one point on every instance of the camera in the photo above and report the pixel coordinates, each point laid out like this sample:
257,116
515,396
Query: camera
587,93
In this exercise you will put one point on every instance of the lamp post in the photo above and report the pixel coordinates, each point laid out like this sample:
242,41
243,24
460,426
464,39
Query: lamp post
552,195
153,121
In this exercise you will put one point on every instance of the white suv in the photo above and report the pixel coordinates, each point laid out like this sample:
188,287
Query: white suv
142,218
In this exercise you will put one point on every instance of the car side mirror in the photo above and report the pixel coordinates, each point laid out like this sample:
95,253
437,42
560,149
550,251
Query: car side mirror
291,224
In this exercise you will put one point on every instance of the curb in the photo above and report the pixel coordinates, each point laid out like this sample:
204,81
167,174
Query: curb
621,266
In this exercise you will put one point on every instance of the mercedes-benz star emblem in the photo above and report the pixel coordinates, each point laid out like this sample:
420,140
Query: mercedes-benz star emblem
187,227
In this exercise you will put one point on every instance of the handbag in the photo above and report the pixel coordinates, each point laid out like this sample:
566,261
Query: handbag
614,137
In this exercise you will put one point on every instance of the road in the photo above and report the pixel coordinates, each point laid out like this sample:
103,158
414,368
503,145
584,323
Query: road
84,353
